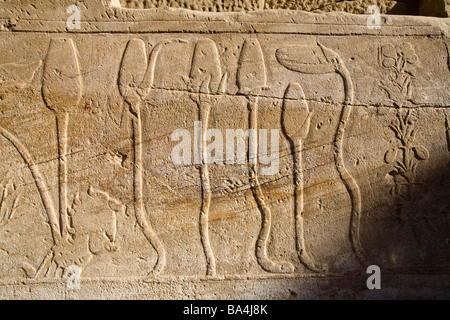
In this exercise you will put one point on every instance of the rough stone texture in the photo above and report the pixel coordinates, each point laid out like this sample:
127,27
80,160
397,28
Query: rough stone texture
438,8
93,205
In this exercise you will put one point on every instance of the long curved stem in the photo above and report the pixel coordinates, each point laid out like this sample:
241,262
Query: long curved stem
204,110
39,181
303,255
62,121
138,194
266,215
349,181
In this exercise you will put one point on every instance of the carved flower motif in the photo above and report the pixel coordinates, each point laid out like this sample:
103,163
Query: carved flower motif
398,60
407,52
389,55
398,56
406,154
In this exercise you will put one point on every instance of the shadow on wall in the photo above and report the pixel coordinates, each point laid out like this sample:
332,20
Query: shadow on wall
435,8
409,239
413,230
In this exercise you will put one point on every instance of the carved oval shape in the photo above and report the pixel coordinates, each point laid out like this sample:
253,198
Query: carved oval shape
61,81
296,117
132,69
251,73
421,153
304,59
205,71
390,155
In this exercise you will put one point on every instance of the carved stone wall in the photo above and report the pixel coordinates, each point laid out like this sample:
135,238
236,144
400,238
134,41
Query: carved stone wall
438,8
266,155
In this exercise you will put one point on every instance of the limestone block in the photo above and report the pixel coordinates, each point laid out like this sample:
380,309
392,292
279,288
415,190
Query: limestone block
171,153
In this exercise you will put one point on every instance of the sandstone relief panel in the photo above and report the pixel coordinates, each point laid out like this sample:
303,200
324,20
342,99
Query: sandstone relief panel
258,160
437,8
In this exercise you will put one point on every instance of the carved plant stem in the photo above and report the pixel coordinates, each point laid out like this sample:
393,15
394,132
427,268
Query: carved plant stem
40,183
349,181
204,110
332,63
303,255
138,192
296,121
62,121
266,216
135,81
62,86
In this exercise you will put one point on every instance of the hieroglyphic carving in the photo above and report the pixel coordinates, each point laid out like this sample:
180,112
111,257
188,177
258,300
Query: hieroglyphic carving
135,80
206,80
406,155
9,198
92,225
296,120
135,83
327,61
66,252
398,60
39,181
61,90
17,74
251,80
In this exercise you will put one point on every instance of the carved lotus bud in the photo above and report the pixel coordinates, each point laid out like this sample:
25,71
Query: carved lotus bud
296,117
132,71
206,73
61,82
390,155
421,153
251,74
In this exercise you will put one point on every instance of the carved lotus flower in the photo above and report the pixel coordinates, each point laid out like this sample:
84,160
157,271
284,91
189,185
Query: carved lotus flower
398,56
406,50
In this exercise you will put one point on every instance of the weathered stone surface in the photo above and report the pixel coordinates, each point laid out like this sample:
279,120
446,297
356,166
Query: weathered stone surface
437,8
108,190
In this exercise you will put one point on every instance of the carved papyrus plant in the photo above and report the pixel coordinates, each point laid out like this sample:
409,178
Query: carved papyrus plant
206,82
405,155
251,80
318,59
61,90
296,121
135,82
398,60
